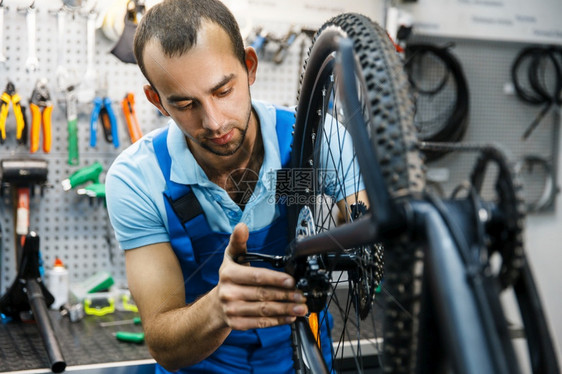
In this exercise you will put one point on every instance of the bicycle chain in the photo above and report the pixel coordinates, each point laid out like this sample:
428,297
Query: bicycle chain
505,237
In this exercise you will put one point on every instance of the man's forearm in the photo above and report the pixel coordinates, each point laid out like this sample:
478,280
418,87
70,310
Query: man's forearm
186,336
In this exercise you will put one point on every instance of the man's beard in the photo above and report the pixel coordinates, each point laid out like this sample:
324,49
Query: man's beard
227,152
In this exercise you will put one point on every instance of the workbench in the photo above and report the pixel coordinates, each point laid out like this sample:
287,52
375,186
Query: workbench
87,347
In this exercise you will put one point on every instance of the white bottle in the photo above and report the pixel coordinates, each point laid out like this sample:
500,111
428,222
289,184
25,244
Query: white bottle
56,280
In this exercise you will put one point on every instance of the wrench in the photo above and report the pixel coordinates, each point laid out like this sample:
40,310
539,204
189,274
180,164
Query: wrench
2,56
62,74
87,90
32,62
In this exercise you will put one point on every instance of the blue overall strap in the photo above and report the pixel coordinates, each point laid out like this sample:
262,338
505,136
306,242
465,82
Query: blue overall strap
284,121
181,197
180,202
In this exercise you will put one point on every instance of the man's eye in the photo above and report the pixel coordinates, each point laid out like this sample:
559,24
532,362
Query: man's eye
185,106
225,92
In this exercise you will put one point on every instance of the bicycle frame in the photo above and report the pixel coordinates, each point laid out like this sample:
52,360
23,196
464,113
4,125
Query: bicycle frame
473,327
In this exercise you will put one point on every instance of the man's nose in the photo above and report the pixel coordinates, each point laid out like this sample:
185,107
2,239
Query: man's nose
213,119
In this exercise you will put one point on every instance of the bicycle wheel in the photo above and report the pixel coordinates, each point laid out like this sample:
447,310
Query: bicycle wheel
328,185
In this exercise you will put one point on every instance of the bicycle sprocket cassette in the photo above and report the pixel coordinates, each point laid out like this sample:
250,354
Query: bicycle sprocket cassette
365,278
314,281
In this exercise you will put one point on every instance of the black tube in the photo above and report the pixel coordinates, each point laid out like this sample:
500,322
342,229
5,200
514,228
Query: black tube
464,336
41,315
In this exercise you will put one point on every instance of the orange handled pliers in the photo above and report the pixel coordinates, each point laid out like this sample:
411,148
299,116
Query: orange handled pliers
10,96
128,105
41,109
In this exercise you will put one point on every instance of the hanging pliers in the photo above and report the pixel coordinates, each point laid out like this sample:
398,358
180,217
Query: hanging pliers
41,110
103,111
10,96
128,105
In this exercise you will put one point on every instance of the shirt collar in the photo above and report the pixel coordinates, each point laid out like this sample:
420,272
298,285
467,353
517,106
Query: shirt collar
186,170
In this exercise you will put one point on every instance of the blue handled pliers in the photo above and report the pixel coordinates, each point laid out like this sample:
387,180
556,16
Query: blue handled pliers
104,113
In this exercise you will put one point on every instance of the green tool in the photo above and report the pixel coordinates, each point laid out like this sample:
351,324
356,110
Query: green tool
86,174
93,190
72,120
130,337
134,321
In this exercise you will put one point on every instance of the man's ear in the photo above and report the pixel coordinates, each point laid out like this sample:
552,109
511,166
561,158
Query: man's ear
251,61
154,98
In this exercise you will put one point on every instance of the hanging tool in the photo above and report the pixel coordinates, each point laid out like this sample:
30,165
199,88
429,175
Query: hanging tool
284,46
22,175
22,210
2,55
28,293
72,5
10,96
93,190
72,124
62,73
86,174
133,321
259,41
128,105
31,63
86,91
41,109
103,111
96,191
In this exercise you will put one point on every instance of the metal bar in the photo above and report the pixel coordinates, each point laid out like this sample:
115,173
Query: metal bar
41,315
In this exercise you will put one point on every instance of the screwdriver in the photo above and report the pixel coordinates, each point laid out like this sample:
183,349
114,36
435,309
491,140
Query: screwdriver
134,321
129,337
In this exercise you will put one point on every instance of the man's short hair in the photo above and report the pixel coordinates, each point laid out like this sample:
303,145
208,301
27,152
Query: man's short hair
175,23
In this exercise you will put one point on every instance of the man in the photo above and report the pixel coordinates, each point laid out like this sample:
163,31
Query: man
179,211
194,316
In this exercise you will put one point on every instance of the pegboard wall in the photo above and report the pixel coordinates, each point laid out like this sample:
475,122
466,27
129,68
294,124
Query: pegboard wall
70,226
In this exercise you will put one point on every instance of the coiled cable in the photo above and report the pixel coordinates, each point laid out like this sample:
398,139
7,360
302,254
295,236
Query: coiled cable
441,91
538,90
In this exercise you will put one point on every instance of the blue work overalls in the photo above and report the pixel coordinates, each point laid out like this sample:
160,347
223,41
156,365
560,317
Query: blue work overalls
200,252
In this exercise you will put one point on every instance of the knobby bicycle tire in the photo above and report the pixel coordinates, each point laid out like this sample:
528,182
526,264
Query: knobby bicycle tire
388,112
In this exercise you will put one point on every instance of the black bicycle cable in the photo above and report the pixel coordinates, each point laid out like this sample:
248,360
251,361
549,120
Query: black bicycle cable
449,119
537,92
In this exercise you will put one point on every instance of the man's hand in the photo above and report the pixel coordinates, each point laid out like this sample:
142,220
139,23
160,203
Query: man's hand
255,297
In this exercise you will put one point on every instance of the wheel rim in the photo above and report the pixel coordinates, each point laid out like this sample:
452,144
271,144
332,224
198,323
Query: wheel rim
350,295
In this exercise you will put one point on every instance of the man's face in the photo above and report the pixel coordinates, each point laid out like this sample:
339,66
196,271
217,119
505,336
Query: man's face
205,91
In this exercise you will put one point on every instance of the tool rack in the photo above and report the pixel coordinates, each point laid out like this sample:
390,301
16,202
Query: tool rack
70,226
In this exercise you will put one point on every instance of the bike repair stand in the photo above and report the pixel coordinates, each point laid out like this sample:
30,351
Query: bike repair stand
28,293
